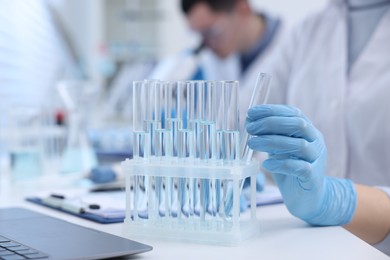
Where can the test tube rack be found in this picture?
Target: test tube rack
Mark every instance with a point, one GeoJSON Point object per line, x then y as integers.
{"type": "Point", "coordinates": [190, 200]}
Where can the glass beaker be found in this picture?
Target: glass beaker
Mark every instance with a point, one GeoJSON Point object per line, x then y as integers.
{"type": "Point", "coordinates": [25, 146]}
{"type": "Point", "coordinates": [78, 156]}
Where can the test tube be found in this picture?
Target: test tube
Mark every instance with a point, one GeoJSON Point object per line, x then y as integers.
{"type": "Point", "coordinates": [163, 128]}
{"type": "Point", "coordinates": [187, 116]}
{"type": "Point", "coordinates": [259, 96]}
{"type": "Point", "coordinates": [231, 121]}
{"type": "Point", "coordinates": [141, 145]}
{"type": "Point", "coordinates": [209, 143]}
{"type": "Point", "coordinates": [153, 112]}
{"type": "Point", "coordinates": [191, 100]}
{"type": "Point", "coordinates": [141, 137]}
{"type": "Point", "coordinates": [220, 116]}
{"type": "Point", "coordinates": [216, 184]}
{"type": "Point", "coordinates": [171, 127]}
{"type": "Point", "coordinates": [195, 111]}
{"type": "Point", "coordinates": [231, 141]}
{"type": "Point", "coordinates": [174, 112]}
{"type": "Point", "coordinates": [208, 120]}
{"type": "Point", "coordinates": [185, 109]}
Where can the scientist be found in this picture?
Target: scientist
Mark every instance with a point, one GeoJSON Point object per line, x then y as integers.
{"type": "Point", "coordinates": [335, 68]}
{"type": "Point", "coordinates": [237, 41]}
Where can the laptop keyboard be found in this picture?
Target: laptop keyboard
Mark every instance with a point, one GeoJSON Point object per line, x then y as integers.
{"type": "Point", "coordinates": [11, 250]}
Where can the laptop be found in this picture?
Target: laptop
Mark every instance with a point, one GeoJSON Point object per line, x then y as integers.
{"type": "Point", "coordinates": [28, 234]}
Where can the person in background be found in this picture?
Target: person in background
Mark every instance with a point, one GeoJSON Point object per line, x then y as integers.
{"type": "Point", "coordinates": [236, 39]}
{"type": "Point", "coordinates": [330, 157]}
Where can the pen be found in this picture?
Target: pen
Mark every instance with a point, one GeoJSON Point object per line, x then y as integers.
{"type": "Point", "coordinates": [53, 201]}
{"type": "Point", "coordinates": [117, 186]}
{"type": "Point", "coordinates": [73, 206]}
{"type": "Point", "coordinates": [76, 208]}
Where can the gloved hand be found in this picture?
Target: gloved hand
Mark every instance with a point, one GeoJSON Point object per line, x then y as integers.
{"type": "Point", "coordinates": [297, 162]}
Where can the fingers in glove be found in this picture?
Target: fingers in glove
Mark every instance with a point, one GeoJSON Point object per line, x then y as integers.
{"type": "Point", "coordinates": [263, 111]}
{"type": "Point", "coordinates": [289, 167]}
{"type": "Point", "coordinates": [290, 147]}
{"type": "Point", "coordinates": [287, 126]}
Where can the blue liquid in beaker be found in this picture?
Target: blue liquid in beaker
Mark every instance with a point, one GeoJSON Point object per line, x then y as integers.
{"type": "Point", "coordinates": [76, 160]}
{"type": "Point", "coordinates": [25, 164]}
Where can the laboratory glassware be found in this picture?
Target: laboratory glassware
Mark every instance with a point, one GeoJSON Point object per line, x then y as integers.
{"type": "Point", "coordinates": [78, 96]}
{"type": "Point", "coordinates": [26, 143]}
{"type": "Point", "coordinates": [141, 137]}
{"type": "Point", "coordinates": [197, 188]}
{"type": "Point", "coordinates": [231, 134]}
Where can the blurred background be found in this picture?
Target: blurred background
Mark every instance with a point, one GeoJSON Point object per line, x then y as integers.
{"type": "Point", "coordinates": [42, 41]}
{"type": "Point", "coordinates": [66, 67]}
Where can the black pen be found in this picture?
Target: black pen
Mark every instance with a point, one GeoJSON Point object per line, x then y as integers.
{"type": "Point", "coordinates": [108, 187]}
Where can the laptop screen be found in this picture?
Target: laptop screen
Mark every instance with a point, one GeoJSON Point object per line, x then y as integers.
{"type": "Point", "coordinates": [58, 239]}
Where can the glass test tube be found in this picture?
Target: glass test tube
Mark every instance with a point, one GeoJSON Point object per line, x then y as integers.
{"type": "Point", "coordinates": [141, 137]}
{"type": "Point", "coordinates": [195, 112]}
{"type": "Point", "coordinates": [174, 113]}
{"type": "Point", "coordinates": [231, 141]}
{"type": "Point", "coordinates": [196, 107]}
{"type": "Point", "coordinates": [141, 145]}
{"type": "Point", "coordinates": [231, 123]}
{"type": "Point", "coordinates": [186, 114]}
{"type": "Point", "coordinates": [153, 108]}
{"type": "Point", "coordinates": [153, 112]}
{"type": "Point", "coordinates": [208, 120]}
{"type": "Point", "coordinates": [170, 130]}
{"type": "Point", "coordinates": [220, 116]}
{"type": "Point", "coordinates": [163, 130]}
{"type": "Point", "coordinates": [208, 143]}
{"type": "Point", "coordinates": [184, 105]}
{"type": "Point", "coordinates": [259, 97]}
{"type": "Point", "coordinates": [218, 204]}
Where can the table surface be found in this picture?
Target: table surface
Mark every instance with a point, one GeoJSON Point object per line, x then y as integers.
{"type": "Point", "coordinates": [281, 236]}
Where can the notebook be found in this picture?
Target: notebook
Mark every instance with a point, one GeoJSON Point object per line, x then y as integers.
{"type": "Point", "coordinates": [31, 234]}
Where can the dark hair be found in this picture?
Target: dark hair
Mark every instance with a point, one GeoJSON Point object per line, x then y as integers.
{"type": "Point", "coordinates": [215, 5]}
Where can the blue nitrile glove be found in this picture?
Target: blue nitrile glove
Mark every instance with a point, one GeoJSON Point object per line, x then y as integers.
{"type": "Point", "coordinates": [297, 162]}
{"type": "Point", "coordinates": [102, 174]}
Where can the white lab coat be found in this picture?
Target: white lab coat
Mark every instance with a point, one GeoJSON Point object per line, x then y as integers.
{"type": "Point", "coordinates": [352, 111]}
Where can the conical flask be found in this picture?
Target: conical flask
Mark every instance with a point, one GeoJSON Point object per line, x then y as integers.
{"type": "Point", "coordinates": [78, 156]}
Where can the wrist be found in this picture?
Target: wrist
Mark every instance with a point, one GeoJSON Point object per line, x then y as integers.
{"type": "Point", "coordinates": [338, 204]}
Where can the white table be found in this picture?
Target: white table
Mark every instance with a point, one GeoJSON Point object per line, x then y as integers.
{"type": "Point", "coordinates": [282, 236]}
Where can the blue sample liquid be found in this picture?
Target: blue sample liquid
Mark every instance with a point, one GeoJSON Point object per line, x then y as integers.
{"type": "Point", "coordinates": [186, 144]}
{"type": "Point", "coordinates": [26, 164]}
{"type": "Point", "coordinates": [231, 146]}
{"type": "Point", "coordinates": [163, 142]}
{"type": "Point", "coordinates": [141, 144]}
{"type": "Point", "coordinates": [208, 137]}
{"type": "Point", "coordinates": [174, 125]}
